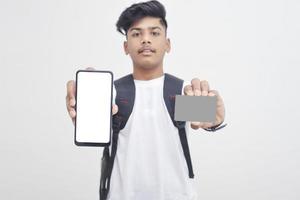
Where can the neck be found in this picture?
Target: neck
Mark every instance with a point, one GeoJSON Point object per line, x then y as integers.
{"type": "Point", "coordinates": [140, 73]}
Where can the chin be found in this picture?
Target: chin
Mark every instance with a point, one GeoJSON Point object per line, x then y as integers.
{"type": "Point", "coordinates": [148, 64]}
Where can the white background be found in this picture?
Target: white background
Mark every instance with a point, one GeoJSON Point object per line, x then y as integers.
{"type": "Point", "coordinates": [247, 50]}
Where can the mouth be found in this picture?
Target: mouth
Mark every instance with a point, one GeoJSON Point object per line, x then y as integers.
{"type": "Point", "coordinates": [146, 51]}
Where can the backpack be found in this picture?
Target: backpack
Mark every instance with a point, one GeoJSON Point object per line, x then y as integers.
{"type": "Point", "coordinates": [125, 97]}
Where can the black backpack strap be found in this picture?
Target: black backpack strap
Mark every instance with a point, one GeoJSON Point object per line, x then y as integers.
{"type": "Point", "coordinates": [172, 87]}
{"type": "Point", "coordinates": [125, 97]}
{"type": "Point", "coordinates": [104, 174]}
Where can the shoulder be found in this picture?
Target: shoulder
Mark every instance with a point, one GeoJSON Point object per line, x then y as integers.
{"type": "Point", "coordinates": [175, 78]}
{"type": "Point", "coordinates": [124, 79]}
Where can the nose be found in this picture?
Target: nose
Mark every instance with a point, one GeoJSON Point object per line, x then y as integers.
{"type": "Point", "coordinates": [146, 39]}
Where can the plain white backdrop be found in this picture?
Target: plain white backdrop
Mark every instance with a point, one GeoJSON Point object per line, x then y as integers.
{"type": "Point", "coordinates": [248, 50]}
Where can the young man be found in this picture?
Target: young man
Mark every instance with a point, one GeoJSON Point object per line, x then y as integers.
{"type": "Point", "coordinates": [149, 163]}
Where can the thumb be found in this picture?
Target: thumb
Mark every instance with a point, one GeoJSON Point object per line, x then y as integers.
{"type": "Point", "coordinates": [115, 109]}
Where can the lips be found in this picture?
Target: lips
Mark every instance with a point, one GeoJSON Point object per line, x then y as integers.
{"type": "Point", "coordinates": [146, 50]}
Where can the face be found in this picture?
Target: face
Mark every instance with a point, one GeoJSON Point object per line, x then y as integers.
{"type": "Point", "coordinates": [147, 43]}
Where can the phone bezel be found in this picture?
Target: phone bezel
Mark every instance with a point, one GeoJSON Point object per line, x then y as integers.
{"type": "Point", "coordinates": [93, 143]}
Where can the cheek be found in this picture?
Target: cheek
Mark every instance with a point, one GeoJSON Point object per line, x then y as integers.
{"type": "Point", "coordinates": [132, 49]}
{"type": "Point", "coordinates": [162, 49]}
{"type": "Point", "coordinates": [162, 45]}
{"type": "Point", "coordinates": [132, 42]}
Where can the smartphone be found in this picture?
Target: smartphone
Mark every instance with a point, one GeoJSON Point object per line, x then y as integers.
{"type": "Point", "coordinates": [93, 107]}
{"type": "Point", "coordinates": [195, 108]}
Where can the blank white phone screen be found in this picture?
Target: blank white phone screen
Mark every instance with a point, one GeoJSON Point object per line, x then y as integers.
{"type": "Point", "coordinates": [93, 106]}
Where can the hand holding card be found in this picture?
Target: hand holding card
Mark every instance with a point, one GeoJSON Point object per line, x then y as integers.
{"type": "Point", "coordinates": [195, 108]}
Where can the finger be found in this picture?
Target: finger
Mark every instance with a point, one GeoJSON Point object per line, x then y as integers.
{"type": "Point", "coordinates": [220, 107]}
{"type": "Point", "coordinates": [219, 120]}
{"type": "Point", "coordinates": [213, 93]}
{"type": "Point", "coordinates": [70, 103]}
{"type": "Point", "coordinates": [71, 89]}
{"type": "Point", "coordinates": [196, 86]}
{"type": "Point", "coordinates": [193, 126]}
{"type": "Point", "coordinates": [207, 125]}
{"type": "Point", "coordinates": [71, 110]}
{"type": "Point", "coordinates": [196, 125]}
{"type": "Point", "coordinates": [115, 109]}
{"type": "Point", "coordinates": [72, 113]}
{"type": "Point", "coordinates": [188, 90]}
{"type": "Point", "coordinates": [204, 88]}
{"type": "Point", "coordinates": [219, 99]}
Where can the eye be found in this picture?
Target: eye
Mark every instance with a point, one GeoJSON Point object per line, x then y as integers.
{"type": "Point", "coordinates": [155, 33]}
{"type": "Point", "coordinates": [136, 34]}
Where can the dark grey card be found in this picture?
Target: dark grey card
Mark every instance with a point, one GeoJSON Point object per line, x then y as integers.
{"type": "Point", "coordinates": [195, 108]}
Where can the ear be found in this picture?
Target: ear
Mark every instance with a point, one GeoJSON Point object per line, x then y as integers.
{"type": "Point", "coordinates": [125, 45]}
{"type": "Point", "coordinates": [168, 45]}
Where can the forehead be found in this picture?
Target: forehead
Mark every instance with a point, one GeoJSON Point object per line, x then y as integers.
{"type": "Point", "coordinates": [147, 22]}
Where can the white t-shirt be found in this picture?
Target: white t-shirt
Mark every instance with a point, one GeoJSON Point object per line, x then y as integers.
{"type": "Point", "coordinates": [149, 163]}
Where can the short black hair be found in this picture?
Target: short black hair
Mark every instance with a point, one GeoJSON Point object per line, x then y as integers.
{"type": "Point", "coordinates": [138, 11]}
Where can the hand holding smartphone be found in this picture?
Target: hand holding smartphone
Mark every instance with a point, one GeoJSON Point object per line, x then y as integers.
{"type": "Point", "coordinates": [93, 108]}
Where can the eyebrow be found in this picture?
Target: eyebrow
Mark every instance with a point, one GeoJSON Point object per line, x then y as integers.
{"type": "Point", "coordinates": [139, 29]}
